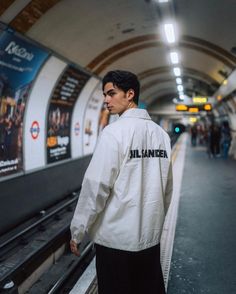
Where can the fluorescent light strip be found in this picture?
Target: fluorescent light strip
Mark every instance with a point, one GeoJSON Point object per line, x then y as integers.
{"type": "Point", "coordinates": [162, 1]}
{"type": "Point", "coordinates": [170, 33]}
{"type": "Point", "coordinates": [174, 57]}
{"type": "Point", "coordinates": [177, 71]}
{"type": "Point", "coordinates": [178, 81]}
{"type": "Point", "coordinates": [180, 88]}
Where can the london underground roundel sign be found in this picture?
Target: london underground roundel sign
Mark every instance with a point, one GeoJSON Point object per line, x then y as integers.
{"type": "Point", "coordinates": [77, 129]}
{"type": "Point", "coordinates": [34, 130]}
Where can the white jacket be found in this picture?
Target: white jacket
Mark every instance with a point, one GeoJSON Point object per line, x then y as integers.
{"type": "Point", "coordinates": [127, 187]}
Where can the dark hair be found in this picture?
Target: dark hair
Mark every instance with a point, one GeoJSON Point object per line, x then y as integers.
{"type": "Point", "coordinates": [124, 80]}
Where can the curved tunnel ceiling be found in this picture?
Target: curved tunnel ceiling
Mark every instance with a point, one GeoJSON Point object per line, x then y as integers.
{"type": "Point", "coordinates": [103, 35]}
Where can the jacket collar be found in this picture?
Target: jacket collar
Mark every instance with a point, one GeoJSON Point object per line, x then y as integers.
{"type": "Point", "coordinates": [136, 113]}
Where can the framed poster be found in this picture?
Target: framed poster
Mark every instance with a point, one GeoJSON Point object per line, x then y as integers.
{"type": "Point", "coordinates": [60, 111]}
{"type": "Point", "coordinates": [19, 65]}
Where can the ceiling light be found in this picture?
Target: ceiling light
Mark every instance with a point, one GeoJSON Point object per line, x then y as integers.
{"type": "Point", "coordinates": [162, 1]}
{"type": "Point", "coordinates": [170, 33]}
{"type": "Point", "coordinates": [180, 88]}
{"type": "Point", "coordinates": [178, 81]}
{"type": "Point", "coordinates": [177, 71]}
{"type": "Point", "coordinates": [174, 57]}
{"type": "Point", "coordinates": [225, 82]}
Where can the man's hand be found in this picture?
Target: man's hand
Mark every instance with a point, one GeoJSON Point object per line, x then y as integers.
{"type": "Point", "coordinates": [74, 248]}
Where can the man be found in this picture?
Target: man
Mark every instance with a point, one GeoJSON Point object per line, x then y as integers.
{"type": "Point", "coordinates": [125, 194]}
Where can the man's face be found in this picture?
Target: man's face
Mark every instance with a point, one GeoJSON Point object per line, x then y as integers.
{"type": "Point", "coordinates": [116, 100]}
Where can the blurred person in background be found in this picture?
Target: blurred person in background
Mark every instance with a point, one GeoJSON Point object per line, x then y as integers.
{"type": "Point", "coordinates": [225, 139]}
{"type": "Point", "coordinates": [194, 134]}
{"type": "Point", "coordinates": [214, 137]}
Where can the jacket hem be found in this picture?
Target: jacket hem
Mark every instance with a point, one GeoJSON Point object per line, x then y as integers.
{"type": "Point", "coordinates": [139, 247]}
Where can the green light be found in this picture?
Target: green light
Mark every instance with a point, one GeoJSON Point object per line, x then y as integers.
{"type": "Point", "coordinates": [177, 129]}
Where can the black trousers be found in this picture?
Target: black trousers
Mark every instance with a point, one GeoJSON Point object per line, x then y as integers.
{"type": "Point", "coordinates": [126, 272]}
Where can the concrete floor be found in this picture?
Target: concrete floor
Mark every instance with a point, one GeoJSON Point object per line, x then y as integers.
{"type": "Point", "coordinates": [204, 253]}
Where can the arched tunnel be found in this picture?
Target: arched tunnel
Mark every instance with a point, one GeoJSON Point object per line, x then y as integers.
{"type": "Point", "coordinates": [54, 55]}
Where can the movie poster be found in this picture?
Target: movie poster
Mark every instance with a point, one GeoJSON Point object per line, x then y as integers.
{"type": "Point", "coordinates": [61, 106]}
{"type": "Point", "coordinates": [20, 62]}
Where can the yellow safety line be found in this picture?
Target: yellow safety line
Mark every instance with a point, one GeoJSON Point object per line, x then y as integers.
{"type": "Point", "coordinates": [176, 149]}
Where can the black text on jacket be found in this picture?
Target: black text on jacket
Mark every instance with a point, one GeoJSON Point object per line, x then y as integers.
{"type": "Point", "coordinates": [148, 153]}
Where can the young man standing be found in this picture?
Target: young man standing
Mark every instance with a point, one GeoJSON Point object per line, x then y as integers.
{"type": "Point", "coordinates": [125, 194]}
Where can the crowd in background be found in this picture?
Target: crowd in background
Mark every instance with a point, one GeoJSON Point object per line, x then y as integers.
{"type": "Point", "coordinates": [217, 138]}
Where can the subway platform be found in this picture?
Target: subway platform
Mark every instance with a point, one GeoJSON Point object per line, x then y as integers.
{"type": "Point", "coordinates": [204, 255]}
{"type": "Point", "coordinates": [198, 242]}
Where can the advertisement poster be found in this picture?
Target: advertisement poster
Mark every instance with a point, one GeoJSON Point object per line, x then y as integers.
{"type": "Point", "coordinates": [104, 118]}
{"type": "Point", "coordinates": [96, 118]}
{"type": "Point", "coordinates": [20, 62]}
{"type": "Point", "coordinates": [61, 106]}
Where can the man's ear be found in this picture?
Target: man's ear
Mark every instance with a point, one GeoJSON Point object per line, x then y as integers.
{"type": "Point", "coordinates": [130, 93]}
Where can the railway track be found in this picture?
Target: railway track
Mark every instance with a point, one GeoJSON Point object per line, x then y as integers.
{"type": "Point", "coordinates": [44, 237]}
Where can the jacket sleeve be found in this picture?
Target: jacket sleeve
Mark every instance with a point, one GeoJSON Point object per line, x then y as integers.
{"type": "Point", "coordinates": [97, 184]}
{"type": "Point", "coordinates": [169, 189]}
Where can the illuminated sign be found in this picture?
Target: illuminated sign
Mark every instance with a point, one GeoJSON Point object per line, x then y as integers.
{"type": "Point", "coordinates": [193, 109]}
{"type": "Point", "coordinates": [192, 119]}
{"type": "Point", "coordinates": [207, 107]}
{"type": "Point", "coordinates": [200, 100]}
{"type": "Point", "coordinates": [181, 107]}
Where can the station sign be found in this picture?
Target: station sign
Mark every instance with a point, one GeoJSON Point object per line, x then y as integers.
{"type": "Point", "coordinates": [181, 107]}
{"type": "Point", "coordinates": [193, 108]}
{"type": "Point", "coordinates": [199, 100]}
{"type": "Point", "coordinates": [34, 130]}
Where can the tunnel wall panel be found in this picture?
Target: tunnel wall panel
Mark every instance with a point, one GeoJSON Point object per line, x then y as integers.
{"type": "Point", "coordinates": [77, 124]}
{"type": "Point", "coordinates": [35, 122]}
{"type": "Point", "coordinates": [39, 185]}
{"type": "Point", "coordinates": [26, 195]}
{"type": "Point", "coordinates": [91, 120]}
